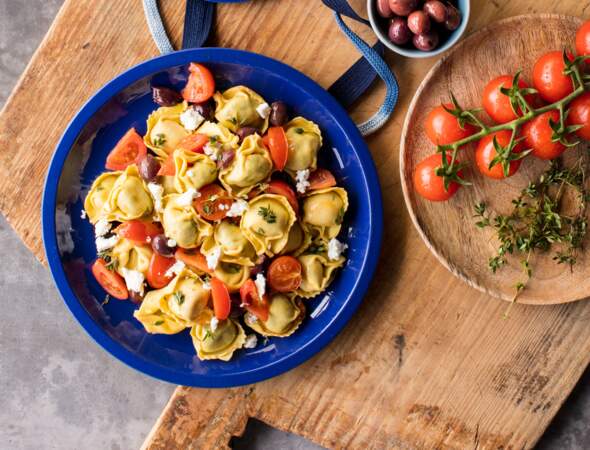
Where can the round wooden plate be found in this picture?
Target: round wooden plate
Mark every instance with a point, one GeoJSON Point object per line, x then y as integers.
{"type": "Point", "coordinates": [448, 228]}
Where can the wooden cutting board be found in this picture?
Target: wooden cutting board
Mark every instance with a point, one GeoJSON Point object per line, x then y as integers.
{"type": "Point", "coordinates": [427, 362]}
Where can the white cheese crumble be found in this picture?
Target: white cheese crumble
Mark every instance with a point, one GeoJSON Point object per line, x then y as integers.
{"type": "Point", "coordinates": [251, 317]}
{"type": "Point", "coordinates": [190, 173]}
{"type": "Point", "coordinates": [251, 341]}
{"type": "Point", "coordinates": [103, 244]}
{"type": "Point", "coordinates": [83, 214]}
{"type": "Point", "coordinates": [175, 269]}
{"type": "Point", "coordinates": [263, 110]}
{"type": "Point", "coordinates": [157, 192]}
{"type": "Point", "coordinates": [214, 323]}
{"type": "Point", "coordinates": [171, 243]}
{"type": "Point", "coordinates": [133, 279]}
{"type": "Point", "coordinates": [213, 258]}
{"type": "Point", "coordinates": [301, 178]}
{"type": "Point", "coordinates": [186, 198]}
{"type": "Point", "coordinates": [211, 150]}
{"type": "Point", "coordinates": [237, 208]}
{"type": "Point", "coordinates": [335, 249]}
{"type": "Point", "coordinates": [260, 283]}
{"type": "Point", "coordinates": [207, 285]}
{"type": "Point", "coordinates": [191, 119]}
{"type": "Point", "coordinates": [101, 227]}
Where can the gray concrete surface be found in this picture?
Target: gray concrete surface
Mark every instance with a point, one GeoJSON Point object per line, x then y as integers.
{"type": "Point", "coordinates": [58, 389]}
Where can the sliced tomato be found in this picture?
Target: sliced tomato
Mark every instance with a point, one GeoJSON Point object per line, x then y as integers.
{"type": "Point", "coordinates": [129, 150]}
{"type": "Point", "coordinates": [168, 168]}
{"type": "Point", "coordinates": [194, 142]}
{"type": "Point", "coordinates": [221, 299]}
{"type": "Point", "coordinates": [109, 280]}
{"type": "Point", "coordinates": [284, 274]}
{"type": "Point", "coordinates": [278, 146]}
{"type": "Point", "coordinates": [141, 231]}
{"type": "Point", "coordinates": [265, 141]}
{"type": "Point", "coordinates": [193, 258]}
{"type": "Point", "coordinates": [209, 203]}
{"type": "Point", "coordinates": [252, 301]}
{"type": "Point", "coordinates": [156, 274]}
{"type": "Point", "coordinates": [279, 187]}
{"type": "Point", "coordinates": [200, 85]}
{"type": "Point", "coordinates": [321, 179]}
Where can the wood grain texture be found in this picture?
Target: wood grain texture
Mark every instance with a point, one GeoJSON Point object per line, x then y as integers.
{"type": "Point", "coordinates": [448, 228]}
{"type": "Point", "coordinates": [427, 362]}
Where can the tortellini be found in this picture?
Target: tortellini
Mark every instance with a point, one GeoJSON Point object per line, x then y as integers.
{"type": "Point", "coordinates": [232, 242]}
{"type": "Point", "coordinates": [193, 170]}
{"type": "Point", "coordinates": [237, 107]}
{"type": "Point", "coordinates": [176, 306]}
{"type": "Point", "coordinates": [182, 223]}
{"type": "Point", "coordinates": [251, 165]}
{"type": "Point", "coordinates": [323, 211]}
{"type": "Point", "coordinates": [304, 139]}
{"type": "Point", "coordinates": [285, 314]}
{"type": "Point", "coordinates": [219, 135]}
{"type": "Point", "coordinates": [299, 239]}
{"type": "Point", "coordinates": [164, 130]}
{"type": "Point", "coordinates": [232, 274]}
{"type": "Point", "coordinates": [267, 223]}
{"type": "Point", "coordinates": [131, 256]}
{"type": "Point", "coordinates": [99, 194]}
{"type": "Point", "coordinates": [128, 199]}
{"type": "Point", "coordinates": [220, 343]}
{"type": "Point", "coordinates": [317, 271]}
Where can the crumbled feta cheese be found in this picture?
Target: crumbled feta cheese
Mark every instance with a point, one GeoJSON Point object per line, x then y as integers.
{"type": "Point", "coordinates": [237, 208]}
{"type": "Point", "coordinates": [301, 178]}
{"type": "Point", "coordinates": [157, 192]}
{"type": "Point", "coordinates": [263, 110]}
{"type": "Point", "coordinates": [214, 323]}
{"type": "Point", "coordinates": [213, 258]}
{"type": "Point", "coordinates": [175, 269]}
{"type": "Point", "coordinates": [186, 198]}
{"type": "Point", "coordinates": [211, 150]}
{"type": "Point", "coordinates": [251, 341]}
{"type": "Point", "coordinates": [260, 283]}
{"type": "Point", "coordinates": [335, 249]}
{"type": "Point", "coordinates": [103, 244]}
{"type": "Point", "coordinates": [191, 119]}
{"type": "Point", "coordinates": [101, 227]}
{"type": "Point", "coordinates": [83, 214]}
{"type": "Point", "coordinates": [133, 279]}
{"type": "Point", "coordinates": [207, 285]}
{"type": "Point", "coordinates": [190, 173]}
{"type": "Point", "coordinates": [251, 317]}
{"type": "Point", "coordinates": [171, 243]}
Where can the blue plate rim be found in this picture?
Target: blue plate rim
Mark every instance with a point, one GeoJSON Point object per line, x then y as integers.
{"type": "Point", "coordinates": [49, 203]}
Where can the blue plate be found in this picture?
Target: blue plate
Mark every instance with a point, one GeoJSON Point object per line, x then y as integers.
{"type": "Point", "coordinates": [69, 241]}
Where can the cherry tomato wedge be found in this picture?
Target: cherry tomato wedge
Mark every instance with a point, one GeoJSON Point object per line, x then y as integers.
{"type": "Point", "coordinates": [221, 299]}
{"type": "Point", "coordinates": [168, 168]}
{"type": "Point", "coordinates": [497, 104]}
{"type": "Point", "coordinates": [193, 258]}
{"type": "Point", "coordinates": [284, 274]}
{"type": "Point", "coordinates": [583, 40]}
{"type": "Point", "coordinates": [141, 231]}
{"type": "Point", "coordinates": [209, 203]}
{"type": "Point", "coordinates": [538, 132]}
{"type": "Point", "coordinates": [428, 184]}
{"type": "Point", "coordinates": [443, 128]}
{"type": "Point", "coordinates": [549, 79]}
{"type": "Point", "coordinates": [252, 301]}
{"type": "Point", "coordinates": [485, 154]}
{"type": "Point", "coordinates": [109, 280]}
{"type": "Point", "coordinates": [156, 274]}
{"type": "Point", "coordinates": [194, 142]}
{"type": "Point", "coordinates": [279, 187]}
{"type": "Point", "coordinates": [200, 85]}
{"type": "Point", "coordinates": [321, 179]}
{"type": "Point", "coordinates": [278, 146]}
{"type": "Point", "coordinates": [265, 140]}
{"type": "Point", "coordinates": [580, 114]}
{"type": "Point", "coordinates": [129, 150]}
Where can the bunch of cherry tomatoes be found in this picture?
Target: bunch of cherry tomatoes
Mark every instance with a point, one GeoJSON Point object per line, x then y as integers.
{"type": "Point", "coordinates": [552, 82]}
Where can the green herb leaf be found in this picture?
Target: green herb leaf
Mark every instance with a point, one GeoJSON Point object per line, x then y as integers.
{"type": "Point", "coordinates": [267, 214]}
{"type": "Point", "coordinates": [179, 297]}
{"type": "Point", "coordinates": [159, 140]}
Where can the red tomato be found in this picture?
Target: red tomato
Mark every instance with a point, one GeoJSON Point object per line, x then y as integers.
{"type": "Point", "coordinates": [252, 301]}
{"type": "Point", "coordinates": [580, 114]}
{"type": "Point", "coordinates": [192, 258]}
{"type": "Point", "coordinates": [200, 85]}
{"type": "Point", "coordinates": [583, 39]}
{"type": "Point", "coordinates": [428, 184]}
{"type": "Point", "coordinates": [110, 281]}
{"type": "Point", "coordinates": [549, 79]}
{"type": "Point", "coordinates": [496, 104]}
{"type": "Point", "coordinates": [278, 146]}
{"type": "Point", "coordinates": [194, 142]}
{"type": "Point", "coordinates": [443, 128]}
{"type": "Point", "coordinates": [281, 188]}
{"type": "Point", "coordinates": [168, 168]}
{"type": "Point", "coordinates": [284, 274]}
{"type": "Point", "coordinates": [485, 153]}
{"type": "Point", "coordinates": [321, 179]}
{"type": "Point", "coordinates": [129, 150]}
{"type": "Point", "coordinates": [211, 209]}
{"type": "Point", "coordinates": [537, 133]}
{"type": "Point", "coordinates": [138, 230]}
{"type": "Point", "coordinates": [221, 299]}
{"type": "Point", "coordinates": [156, 274]}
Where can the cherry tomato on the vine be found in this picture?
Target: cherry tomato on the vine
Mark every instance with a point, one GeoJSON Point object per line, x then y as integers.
{"type": "Point", "coordinates": [583, 39]}
{"type": "Point", "coordinates": [485, 154]}
{"type": "Point", "coordinates": [428, 184]}
{"type": "Point", "coordinates": [497, 104]}
{"type": "Point", "coordinates": [549, 79]}
{"type": "Point", "coordinates": [537, 133]}
{"type": "Point", "coordinates": [580, 114]}
{"type": "Point", "coordinates": [443, 128]}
